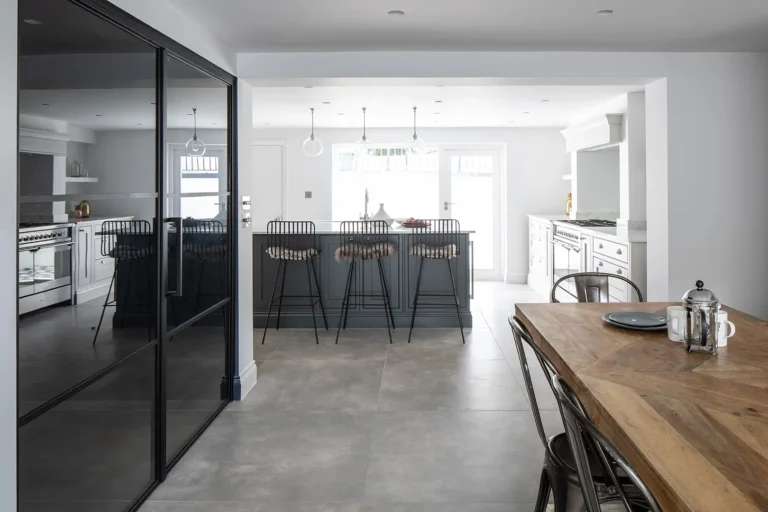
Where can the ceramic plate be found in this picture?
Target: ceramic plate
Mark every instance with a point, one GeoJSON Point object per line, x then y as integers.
{"type": "Point", "coordinates": [608, 320]}
{"type": "Point", "coordinates": [638, 319]}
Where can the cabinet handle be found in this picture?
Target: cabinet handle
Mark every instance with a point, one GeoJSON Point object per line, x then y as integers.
{"type": "Point", "coordinates": [599, 246]}
{"type": "Point", "coordinates": [618, 251]}
{"type": "Point", "coordinates": [600, 264]}
{"type": "Point", "coordinates": [618, 271]}
{"type": "Point", "coordinates": [86, 253]}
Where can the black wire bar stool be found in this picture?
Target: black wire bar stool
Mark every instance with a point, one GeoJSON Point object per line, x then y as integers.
{"type": "Point", "coordinates": [128, 242]}
{"type": "Point", "coordinates": [362, 241]}
{"type": "Point", "coordinates": [437, 239]}
{"type": "Point", "coordinates": [293, 241]}
{"type": "Point", "coordinates": [205, 241]}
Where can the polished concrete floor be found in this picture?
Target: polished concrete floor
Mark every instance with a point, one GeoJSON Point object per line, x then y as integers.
{"type": "Point", "coordinates": [365, 426]}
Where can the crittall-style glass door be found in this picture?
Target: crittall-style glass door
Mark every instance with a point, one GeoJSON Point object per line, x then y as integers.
{"type": "Point", "coordinates": [126, 244]}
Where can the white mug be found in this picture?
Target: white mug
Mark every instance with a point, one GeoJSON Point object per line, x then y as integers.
{"type": "Point", "coordinates": [722, 329]}
{"type": "Point", "coordinates": [676, 323]}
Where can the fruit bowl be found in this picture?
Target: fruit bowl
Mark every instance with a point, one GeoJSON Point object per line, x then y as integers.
{"type": "Point", "coordinates": [414, 223]}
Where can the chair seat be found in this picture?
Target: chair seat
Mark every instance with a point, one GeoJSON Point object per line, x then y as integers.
{"type": "Point", "coordinates": [282, 253]}
{"type": "Point", "coordinates": [437, 252]}
{"type": "Point", "coordinates": [355, 251]}
{"type": "Point", "coordinates": [130, 252]}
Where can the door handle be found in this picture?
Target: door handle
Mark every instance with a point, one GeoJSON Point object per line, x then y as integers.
{"type": "Point", "coordinates": [178, 221]}
{"type": "Point", "coordinates": [445, 204]}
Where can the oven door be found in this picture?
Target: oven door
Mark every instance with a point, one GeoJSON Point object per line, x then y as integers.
{"type": "Point", "coordinates": [52, 267]}
{"type": "Point", "coordinates": [27, 272]}
{"type": "Point", "coordinates": [566, 260]}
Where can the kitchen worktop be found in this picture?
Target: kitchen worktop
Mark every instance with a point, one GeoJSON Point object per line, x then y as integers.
{"type": "Point", "coordinates": [332, 228]}
{"type": "Point", "coordinates": [548, 216]}
{"type": "Point", "coordinates": [622, 235]}
{"type": "Point", "coordinates": [96, 220]}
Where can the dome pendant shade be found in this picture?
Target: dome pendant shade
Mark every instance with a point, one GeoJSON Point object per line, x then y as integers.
{"type": "Point", "coordinates": [195, 146]}
{"type": "Point", "coordinates": [312, 146]}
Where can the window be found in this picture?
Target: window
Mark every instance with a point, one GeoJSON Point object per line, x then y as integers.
{"type": "Point", "coordinates": [405, 183]}
{"type": "Point", "coordinates": [200, 175]}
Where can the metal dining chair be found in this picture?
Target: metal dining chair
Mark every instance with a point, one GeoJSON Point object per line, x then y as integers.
{"type": "Point", "coordinates": [559, 474]}
{"type": "Point", "coordinates": [596, 287]}
{"type": "Point", "coordinates": [583, 435]}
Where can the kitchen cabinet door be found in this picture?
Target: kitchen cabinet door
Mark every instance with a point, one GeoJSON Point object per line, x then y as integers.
{"type": "Point", "coordinates": [84, 256]}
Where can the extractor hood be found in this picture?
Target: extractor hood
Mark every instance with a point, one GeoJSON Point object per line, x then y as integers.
{"type": "Point", "coordinates": [602, 132]}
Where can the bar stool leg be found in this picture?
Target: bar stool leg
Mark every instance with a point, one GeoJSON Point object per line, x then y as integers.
{"type": "Point", "coordinates": [106, 301]}
{"type": "Point", "coordinates": [199, 287]}
{"type": "Point", "coordinates": [312, 302]}
{"type": "Point", "coordinates": [351, 283]}
{"type": "Point", "coordinates": [345, 300]}
{"type": "Point", "coordinates": [456, 298]}
{"type": "Point", "coordinates": [126, 294]}
{"type": "Point", "coordinates": [271, 301]}
{"type": "Point", "coordinates": [384, 299]}
{"type": "Point", "coordinates": [416, 299]}
{"type": "Point", "coordinates": [282, 291]}
{"type": "Point", "coordinates": [387, 299]}
{"type": "Point", "coordinates": [319, 295]}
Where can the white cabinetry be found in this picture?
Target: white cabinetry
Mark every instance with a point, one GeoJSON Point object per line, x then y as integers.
{"type": "Point", "coordinates": [540, 255]}
{"type": "Point", "coordinates": [623, 258]}
{"type": "Point", "coordinates": [94, 270]}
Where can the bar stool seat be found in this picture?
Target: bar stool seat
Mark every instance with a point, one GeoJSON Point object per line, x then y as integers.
{"type": "Point", "coordinates": [283, 253]}
{"type": "Point", "coordinates": [444, 252]}
{"type": "Point", "coordinates": [358, 251]}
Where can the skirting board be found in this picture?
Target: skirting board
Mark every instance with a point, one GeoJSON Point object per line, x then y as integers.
{"type": "Point", "coordinates": [516, 278]}
{"type": "Point", "coordinates": [245, 381]}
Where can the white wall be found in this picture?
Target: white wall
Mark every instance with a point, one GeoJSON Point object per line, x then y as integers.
{"type": "Point", "coordinates": [711, 157]}
{"type": "Point", "coordinates": [8, 254]}
{"type": "Point", "coordinates": [596, 181]}
{"type": "Point", "coordinates": [535, 162]}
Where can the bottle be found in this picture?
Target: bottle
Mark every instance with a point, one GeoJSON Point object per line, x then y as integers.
{"type": "Point", "coordinates": [569, 204]}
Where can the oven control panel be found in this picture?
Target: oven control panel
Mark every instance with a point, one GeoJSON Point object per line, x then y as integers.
{"type": "Point", "coordinates": [571, 234]}
{"type": "Point", "coordinates": [33, 238]}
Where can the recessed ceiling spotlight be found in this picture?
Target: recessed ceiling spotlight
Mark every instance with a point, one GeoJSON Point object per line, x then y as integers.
{"type": "Point", "coordinates": [266, 123]}
{"type": "Point", "coordinates": [139, 124]}
{"type": "Point", "coordinates": [30, 21]}
{"type": "Point", "coordinates": [511, 121]}
{"type": "Point", "coordinates": [526, 112]}
{"type": "Point", "coordinates": [45, 104]}
{"type": "Point", "coordinates": [214, 123]}
{"type": "Point", "coordinates": [396, 13]}
{"type": "Point", "coordinates": [340, 114]}
{"type": "Point", "coordinates": [545, 101]}
{"type": "Point", "coordinates": [326, 103]}
{"type": "Point", "coordinates": [437, 113]}
{"type": "Point", "coordinates": [308, 87]}
{"type": "Point", "coordinates": [438, 101]}
{"type": "Point", "coordinates": [605, 12]}
{"type": "Point", "coordinates": [189, 114]}
{"type": "Point", "coordinates": [98, 115]}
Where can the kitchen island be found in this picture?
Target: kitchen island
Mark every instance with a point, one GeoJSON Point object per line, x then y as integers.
{"type": "Point", "coordinates": [400, 270]}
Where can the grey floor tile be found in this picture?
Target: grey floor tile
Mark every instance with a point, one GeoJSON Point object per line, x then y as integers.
{"type": "Point", "coordinates": [446, 381]}
{"type": "Point", "coordinates": [180, 506]}
{"type": "Point", "coordinates": [461, 457]}
{"type": "Point", "coordinates": [481, 350]}
{"type": "Point", "coordinates": [315, 386]}
{"type": "Point", "coordinates": [354, 345]}
{"type": "Point", "coordinates": [275, 457]}
{"type": "Point", "coordinates": [74, 506]}
{"type": "Point", "coordinates": [449, 507]}
{"type": "Point", "coordinates": [444, 336]}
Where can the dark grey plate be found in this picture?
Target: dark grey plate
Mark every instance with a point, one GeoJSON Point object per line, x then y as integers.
{"type": "Point", "coordinates": [638, 319]}
{"type": "Point", "coordinates": [608, 319]}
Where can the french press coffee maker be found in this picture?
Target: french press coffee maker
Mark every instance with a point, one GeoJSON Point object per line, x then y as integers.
{"type": "Point", "coordinates": [700, 329]}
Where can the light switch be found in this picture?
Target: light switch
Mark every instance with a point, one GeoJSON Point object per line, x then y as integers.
{"type": "Point", "coordinates": [308, 194]}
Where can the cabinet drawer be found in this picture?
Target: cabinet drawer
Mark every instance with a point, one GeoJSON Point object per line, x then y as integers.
{"type": "Point", "coordinates": [618, 289]}
{"type": "Point", "coordinates": [610, 249]}
{"type": "Point", "coordinates": [103, 269]}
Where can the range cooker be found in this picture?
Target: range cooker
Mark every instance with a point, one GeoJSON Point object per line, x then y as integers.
{"type": "Point", "coordinates": [570, 251]}
{"type": "Point", "coordinates": [45, 265]}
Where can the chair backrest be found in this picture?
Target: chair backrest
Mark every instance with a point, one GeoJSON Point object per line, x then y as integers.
{"type": "Point", "coordinates": [438, 233]}
{"type": "Point", "coordinates": [365, 232]}
{"type": "Point", "coordinates": [595, 287]}
{"type": "Point", "coordinates": [288, 236]}
{"type": "Point", "coordinates": [205, 239]}
{"type": "Point", "coordinates": [581, 431]}
{"type": "Point", "coordinates": [520, 334]}
{"type": "Point", "coordinates": [126, 239]}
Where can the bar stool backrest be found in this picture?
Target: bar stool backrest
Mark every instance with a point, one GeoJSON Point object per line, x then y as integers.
{"type": "Point", "coordinates": [520, 334]}
{"type": "Point", "coordinates": [438, 234]}
{"type": "Point", "coordinates": [127, 239]}
{"type": "Point", "coordinates": [354, 234]}
{"type": "Point", "coordinates": [285, 237]}
{"type": "Point", "coordinates": [205, 239]}
{"type": "Point", "coordinates": [580, 431]}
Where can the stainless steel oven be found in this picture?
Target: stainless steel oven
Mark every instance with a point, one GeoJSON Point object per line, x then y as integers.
{"type": "Point", "coordinates": [568, 256]}
{"type": "Point", "coordinates": [45, 266]}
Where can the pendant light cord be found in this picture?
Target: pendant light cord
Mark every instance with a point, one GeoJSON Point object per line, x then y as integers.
{"type": "Point", "coordinates": [312, 135]}
{"type": "Point", "coordinates": [414, 124]}
{"type": "Point", "coordinates": [194, 114]}
{"type": "Point", "coordinates": [364, 137]}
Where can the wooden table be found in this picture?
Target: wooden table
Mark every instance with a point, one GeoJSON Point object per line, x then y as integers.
{"type": "Point", "coordinates": [694, 427]}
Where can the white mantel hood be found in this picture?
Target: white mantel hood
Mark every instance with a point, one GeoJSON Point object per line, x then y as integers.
{"type": "Point", "coordinates": [602, 132]}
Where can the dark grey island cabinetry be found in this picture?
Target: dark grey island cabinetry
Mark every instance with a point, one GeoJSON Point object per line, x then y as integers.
{"type": "Point", "coordinates": [400, 269]}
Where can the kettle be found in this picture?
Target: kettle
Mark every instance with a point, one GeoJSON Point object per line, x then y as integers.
{"type": "Point", "coordinates": [700, 326]}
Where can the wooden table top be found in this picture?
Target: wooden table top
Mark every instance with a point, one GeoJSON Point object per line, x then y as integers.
{"type": "Point", "coordinates": [694, 426]}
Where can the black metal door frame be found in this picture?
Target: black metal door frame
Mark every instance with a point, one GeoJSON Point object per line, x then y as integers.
{"type": "Point", "coordinates": [166, 47]}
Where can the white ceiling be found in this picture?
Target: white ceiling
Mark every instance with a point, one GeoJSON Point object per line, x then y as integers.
{"type": "Point", "coordinates": [354, 25]}
{"type": "Point", "coordinates": [462, 106]}
{"type": "Point", "coordinates": [126, 109]}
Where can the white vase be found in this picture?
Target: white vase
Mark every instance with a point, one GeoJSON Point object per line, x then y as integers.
{"type": "Point", "coordinates": [383, 215]}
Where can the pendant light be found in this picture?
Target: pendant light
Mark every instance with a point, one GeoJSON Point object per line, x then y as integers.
{"type": "Point", "coordinates": [312, 146]}
{"type": "Point", "coordinates": [417, 143]}
{"type": "Point", "coordinates": [195, 146]}
{"type": "Point", "coordinates": [363, 142]}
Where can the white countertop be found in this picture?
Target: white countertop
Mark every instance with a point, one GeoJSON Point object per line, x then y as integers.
{"type": "Point", "coordinates": [332, 228]}
{"type": "Point", "coordinates": [622, 235]}
{"type": "Point", "coordinates": [95, 220]}
{"type": "Point", "coordinates": [548, 216]}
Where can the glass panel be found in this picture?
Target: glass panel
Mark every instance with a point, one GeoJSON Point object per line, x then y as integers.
{"type": "Point", "coordinates": [198, 190]}
{"type": "Point", "coordinates": [196, 371]}
{"type": "Point", "coordinates": [93, 453]}
{"type": "Point", "coordinates": [404, 183]}
{"type": "Point", "coordinates": [473, 203]}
